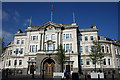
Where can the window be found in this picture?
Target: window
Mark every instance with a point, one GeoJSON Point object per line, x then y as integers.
{"type": "Point", "coordinates": [80, 49]}
{"type": "Point", "coordinates": [86, 48]}
{"type": "Point", "coordinates": [87, 62]}
{"type": "Point", "coordinates": [108, 61]}
{"type": "Point", "coordinates": [45, 47]}
{"type": "Point", "coordinates": [54, 47]}
{"type": "Point", "coordinates": [81, 61]}
{"type": "Point", "coordinates": [22, 42]}
{"type": "Point", "coordinates": [71, 46]}
{"type": "Point", "coordinates": [67, 47]}
{"type": "Point", "coordinates": [86, 38]}
{"type": "Point", "coordinates": [64, 46]}
{"type": "Point", "coordinates": [93, 61]}
{"type": "Point", "coordinates": [36, 48]}
{"type": "Point", "coordinates": [18, 41]}
{"type": "Point", "coordinates": [80, 38]}
{"type": "Point", "coordinates": [20, 62]}
{"type": "Point", "coordinates": [33, 48]}
{"type": "Point", "coordinates": [92, 48]}
{"type": "Point", "coordinates": [31, 37]}
{"type": "Point", "coordinates": [21, 52]}
{"type": "Point", "coordinates": [49, 46]}
{"type": "Point", "coordinates": [15, 62]}
{"type": "Point", "coordinates": [9, 63]}
{"type": "Point", "coordinates": [34, 37]}
{"type": "Point", "coordinates": [67, 58]}
{"type": "Point", "coordinates": [104, 61]}
{"type": "Point", "coordinates": [47, 37]}
{"type": "Point", "coordinates": [115, 51]}
{"type": "Point", "coordinates": [103, 49]}
{"type": "Point", "coordinates": [53, 36]}
{"type": "Point", "coordinates": [17, 51]}
{"type": "Point", "coordinates": [67, 36]}
{"type": "Point", "coordinates": [10, 52]}
{"type": "Point", "coordinates": [70, 36]}
{"type": "Point", "coordinates": [30, 49]}
{"type": "Point", "coordinates": [91, 38]}
{"type": "Point", "coordinates": [107, 49]}
{"type": "Point", "coordinates": [64, 36]}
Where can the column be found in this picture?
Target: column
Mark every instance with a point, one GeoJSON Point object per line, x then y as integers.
{"type": "Point", "coordinates": [40, 41]}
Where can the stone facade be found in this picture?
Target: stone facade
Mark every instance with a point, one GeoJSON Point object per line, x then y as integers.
{"type": "Point", "coordinates": [38, 47]}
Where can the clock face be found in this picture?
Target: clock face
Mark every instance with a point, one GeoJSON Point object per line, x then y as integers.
{"type": "Point", "coordinates": [50, 27]}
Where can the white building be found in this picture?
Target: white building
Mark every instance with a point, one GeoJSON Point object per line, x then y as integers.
{"type": "Point", "coordinates": [38, 47]}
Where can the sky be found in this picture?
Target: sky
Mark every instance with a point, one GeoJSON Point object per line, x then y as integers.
{"type": "Point", "coordinates": [16, 15]}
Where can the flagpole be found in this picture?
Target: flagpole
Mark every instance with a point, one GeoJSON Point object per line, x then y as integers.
{"type": "Point", "coordinates": [51, 12]}
{"type": "Point", "coordinates": [73, 17]}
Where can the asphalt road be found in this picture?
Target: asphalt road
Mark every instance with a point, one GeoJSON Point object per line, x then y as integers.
{"type": "Point", "coordinates": [0, 75]}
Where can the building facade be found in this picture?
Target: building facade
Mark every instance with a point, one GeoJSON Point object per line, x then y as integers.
{"type": "Point", "coordinates": [38, 47]}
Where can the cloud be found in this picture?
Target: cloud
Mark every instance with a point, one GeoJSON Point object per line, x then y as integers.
{"type": "Point", "coordinates": [10, 15]}
{"type": "Point", "coordinates": [8, 37]}
{"type": "Point", "coordinates": [5, 16]}
{"type": "Point", "coordinates": [28, 22]}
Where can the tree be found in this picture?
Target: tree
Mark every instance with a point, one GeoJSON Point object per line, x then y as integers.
{"type": "Point", "coordinates": [60, 56]}
{"type": "Point", "coordinates": [96, 55]}
{"type": "Point", "coordinates": [2, 43]}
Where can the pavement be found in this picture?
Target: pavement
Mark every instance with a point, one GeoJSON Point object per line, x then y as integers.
{"type": "Point", "coordinates": [0, 75]}
{"type": "Point", "coordinates": [38, 77]}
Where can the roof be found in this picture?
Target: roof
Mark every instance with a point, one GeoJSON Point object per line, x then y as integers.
{"type": "Point", "coordinates": [57, 25]}
{"type": "Point", "coordinates": [88, 30]}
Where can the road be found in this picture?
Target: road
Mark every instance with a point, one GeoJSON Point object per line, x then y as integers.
{"type": "Point", "coordinates": [0, 75]}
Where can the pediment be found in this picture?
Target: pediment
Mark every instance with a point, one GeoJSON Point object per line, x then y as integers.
{"type": "Point", "coordinates": [50, 26]}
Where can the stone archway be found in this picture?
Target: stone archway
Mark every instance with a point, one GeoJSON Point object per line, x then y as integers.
{"type": "Point", "coordinates": [49, 66]}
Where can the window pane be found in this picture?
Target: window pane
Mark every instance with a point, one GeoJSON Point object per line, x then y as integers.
{"type": "Point", "coordinates": [64, 46]}
{"type": "Point", "coordinates": [87, 62]}
{"type": "Point", "coordinates": [86, 38]}
{"type": "Point", "coordinates": [81, 61]}
{"type": "Point", "coordinates": [80, 38]}
{"type": "Point", "coordinates": [9, 63]}
{"type": "Point", "coordinates": [104, 61]}
{"type": "Point", "coordinates": [70, 36]}
{"type": "Point", "coordinates": [22, 42]}
{"type": "Point", "coordinates": [21, 51]}
{"type": "Point", "coordinates": [67, 47]}
{"type": "Point", "coordinates": [20, 62]}
{"type": "Point", "coordinates": [36, 48]}
{"type": "Point", "coordinates": [107, 49]}
{"type": "Point", "coordinates": [47, 37]}
{"type": "Point", "coordinates": [108, 61]}
{"type": "Point", "coordinates": [91, 37]}
{"type": "Point", "coordinates": [53, 36]}
{"type": "Point", "coordinates": [18, 41]}
{"type": "Point", "coordinates": [102, 48]}
{"type": "Point", "coordinates": [92, 48]}
{"type": "Point", "coordinates": [64, 36]}
{"type": "Point", "coordinates": [86, 48]}
{"type": "Point", "coordinates": [67, 36]}
{"type": "Point", "coordinates": [49, 46]}
{"type": "Point", "coordinates": [34, 37]}
{"type": "Point", "coordinates": [15, 62]}
{"type": "Point", "coordinates": [10, 52]}
{"type": "Point", "coordinates": [80, 49]}
{"type": "Point", "coordinates": [17, 51]}
{"type": "Point", "coordinates": [71, 46]}
{"type": "Point", "coordinates": [33, 48]}
{"type": "Point", "coordinates": [53, 46]}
